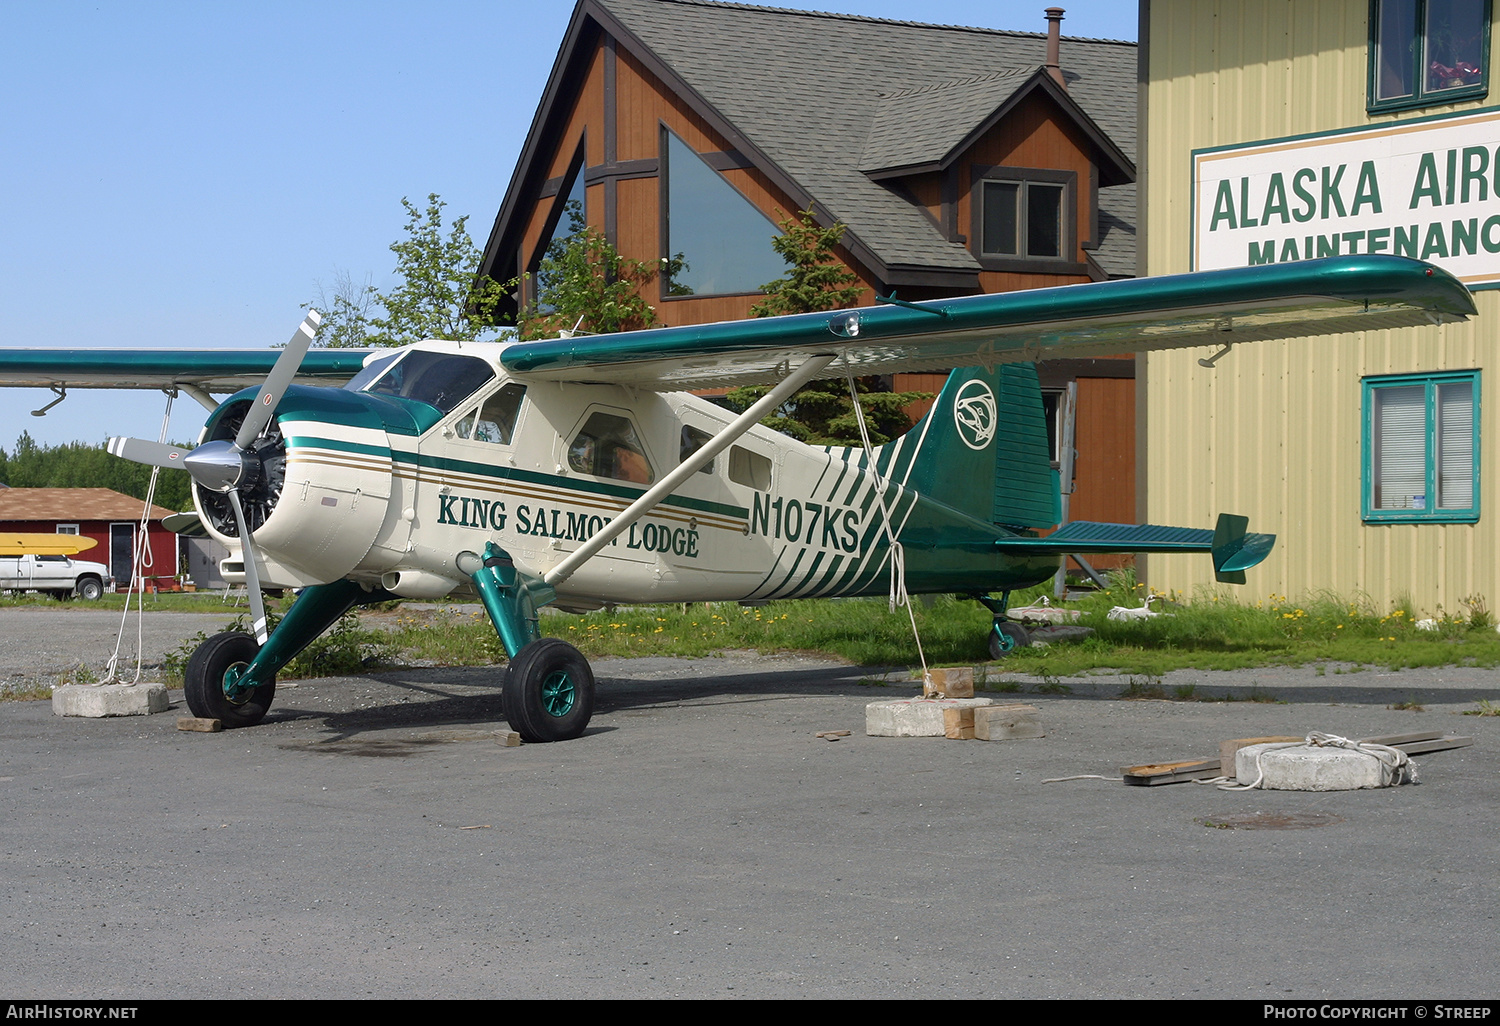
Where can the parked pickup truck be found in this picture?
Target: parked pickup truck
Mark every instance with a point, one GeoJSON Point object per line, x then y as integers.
{"type": "Point", "coordinates": [62, 576]}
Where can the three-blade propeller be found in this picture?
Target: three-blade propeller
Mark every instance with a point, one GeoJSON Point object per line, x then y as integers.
{"type": "Point", "coordinates": [222, 465]}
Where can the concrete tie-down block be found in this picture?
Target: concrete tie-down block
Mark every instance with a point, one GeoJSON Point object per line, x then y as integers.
{"type": "Point", "coordinates": [109, 700]}
{"type": "Point", "coordinates": [1311, 768]}
{"type": "Point", "coordinates": [914, 717]}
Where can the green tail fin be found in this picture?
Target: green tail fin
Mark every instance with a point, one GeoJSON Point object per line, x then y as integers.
{"type": "Point", "coordinates": [982, 448]}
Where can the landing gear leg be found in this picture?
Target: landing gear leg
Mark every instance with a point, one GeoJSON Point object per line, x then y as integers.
{"type": "Point", "coordinates": [549, 687]}
{"type": "Point", "coordinates": [231, 679]}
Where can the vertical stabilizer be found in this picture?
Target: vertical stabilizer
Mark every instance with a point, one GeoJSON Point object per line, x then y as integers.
{"type": "Point", "coordinates": [982, 448]}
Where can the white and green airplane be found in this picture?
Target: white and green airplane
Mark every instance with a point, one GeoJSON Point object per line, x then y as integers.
{"type": "Point", "coordinates": [581, 471]}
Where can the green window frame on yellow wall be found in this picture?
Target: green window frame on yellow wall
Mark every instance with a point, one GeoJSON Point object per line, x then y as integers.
{"type": "Point", "coordinates": [1421, 448]}
{"type": "Point", "coordinates": [1427, 52]}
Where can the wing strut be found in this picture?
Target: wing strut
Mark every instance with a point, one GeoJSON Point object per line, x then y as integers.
{"type": "Point", "coordinates": [690, 466]}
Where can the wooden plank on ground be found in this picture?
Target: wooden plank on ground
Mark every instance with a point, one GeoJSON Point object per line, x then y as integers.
{"type": "Point", "coordinates": [1153, 773]}
{"type": "Point", "coordinates": [1441, 744]}
{"type": "Point", "coordinates": [958, 723]}
{"type": "Point", "coordinates": [1400, 739]}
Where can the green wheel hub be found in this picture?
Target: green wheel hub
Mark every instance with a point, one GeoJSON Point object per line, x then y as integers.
{"type": "Point", "coordinates": [234, 691]}
{"type": "Point", "coordinates": [1005, 641]}
{"type": "Point", "coordinates": [558, 693]}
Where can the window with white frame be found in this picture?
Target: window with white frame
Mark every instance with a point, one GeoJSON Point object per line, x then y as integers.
{"type": "Point", "coordinates": [1421, 448]}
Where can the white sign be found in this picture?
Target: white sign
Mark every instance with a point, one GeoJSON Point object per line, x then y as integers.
{"type": "Point", "coordinates": [1427, 189]}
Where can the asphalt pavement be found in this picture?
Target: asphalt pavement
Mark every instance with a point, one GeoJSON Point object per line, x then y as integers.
{"type": "Point", "coordinates": [371, 839]}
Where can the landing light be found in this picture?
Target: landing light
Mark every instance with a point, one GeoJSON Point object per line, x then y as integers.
{"type": "Point", "coordinates": [846, 324]}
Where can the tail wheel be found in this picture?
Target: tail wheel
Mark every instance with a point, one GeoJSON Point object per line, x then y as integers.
{"type": "Point", "coordinates": [204, 681]}
{"type": "Point", "coordinates": [549, 691]}
{"type": "Point", "coordinates": [1005, 636]}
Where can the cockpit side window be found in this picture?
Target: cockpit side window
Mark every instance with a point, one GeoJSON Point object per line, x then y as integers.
{"type": "Point", "coordinates": [442, 380]}
{"type": "Point", "coordinates": [495, 420]}
{"type": "Point", "coordinates": [608, 446]}
{"type": "Point", "coordinates": [692, 441]}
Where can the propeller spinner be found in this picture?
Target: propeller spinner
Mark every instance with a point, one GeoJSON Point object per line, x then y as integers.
{"type": "Point", "coordinates": [237, 469]}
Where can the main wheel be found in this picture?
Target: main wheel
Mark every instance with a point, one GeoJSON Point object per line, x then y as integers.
{"type": "Point", "coordinates": [1005, 636]}
{"type": "Point", "coordinates": [90, 589]}
{"type": "Point", "coordinates": [549, 691]}
{"type": "Point", "coordinates": [204, 681]}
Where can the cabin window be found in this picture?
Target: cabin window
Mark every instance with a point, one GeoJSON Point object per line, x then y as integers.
{"type": "Point", "coordinates": [608, 446]}
{"type": "Point", "coordinates": [495, 419]}
{"type": "Point", "coordinates": [692, 441]}
{"type": "Point", "coordinates": [1421, 448]}
{"type": "Point", "coordinates": [67, 528]}
{"type": "Point", "coordinates": [750, 469]}
{"type": "Point", "coordinates": [442, 380]}
{"type": "Point", "coordinates": [1023, 218]}
{"type": "Point", "coordinates": [715, 241]}
{"type": "Point", "coordinates": [1425, 52]}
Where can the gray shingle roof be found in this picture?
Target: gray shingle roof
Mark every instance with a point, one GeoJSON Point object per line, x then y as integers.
{"type": "Point", "coordinates": [924, 123]}
{"type": "Point", "coordinates": [824, 95]}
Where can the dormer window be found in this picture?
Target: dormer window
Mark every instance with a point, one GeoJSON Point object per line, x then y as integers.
{"type": "Point", "coordinates": [1023, 219]}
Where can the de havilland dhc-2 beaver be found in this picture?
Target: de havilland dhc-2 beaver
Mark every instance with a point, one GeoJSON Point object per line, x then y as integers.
{"type": "Point", "coordinates": [580, 471]}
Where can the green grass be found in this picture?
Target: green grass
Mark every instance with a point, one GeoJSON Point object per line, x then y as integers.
{"type": "Point", "coordinates": [860, 631]}
{"type": "Point", "coordinates": [1214, 632]}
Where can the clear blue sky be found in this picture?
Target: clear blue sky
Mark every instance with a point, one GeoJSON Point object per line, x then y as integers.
{"type": "Point", "coordinates": [184, 174]}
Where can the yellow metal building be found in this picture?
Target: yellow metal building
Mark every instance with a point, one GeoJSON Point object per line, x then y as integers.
{"type": "Point", "coordinates": [1289, 129]}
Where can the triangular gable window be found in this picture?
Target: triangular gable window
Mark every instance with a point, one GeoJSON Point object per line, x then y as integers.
{"type": "Point", "coordinates": [722, 240]}
{"type": "Point", "coordinates": [571, 220]}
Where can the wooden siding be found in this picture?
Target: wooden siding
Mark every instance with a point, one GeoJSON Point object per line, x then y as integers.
{"type": "Point", "coordinates": [1273, 431]}
{"type": "Point", "coordinates": [1034, 135]}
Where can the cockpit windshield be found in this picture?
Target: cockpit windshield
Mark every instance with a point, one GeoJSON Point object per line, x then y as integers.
{"type": "Point", "coordinates": [442, 380]}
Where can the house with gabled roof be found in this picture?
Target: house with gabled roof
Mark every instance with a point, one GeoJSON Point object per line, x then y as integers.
{"type": "Point", "coordinates": [959, 161]}
{"type": "Point", "coordinates": [109, 517]}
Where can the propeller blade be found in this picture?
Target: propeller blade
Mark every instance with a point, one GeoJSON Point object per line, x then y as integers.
{"type": "Point", "coordinates": [281, 376]}
{"type": "Point", "coordinates": [153, 454]}
{"type": "Point", "coordinates": [252, 575]}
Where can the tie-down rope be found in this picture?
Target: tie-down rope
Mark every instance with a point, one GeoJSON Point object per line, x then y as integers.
{"type": "Point", "coordinates": [898, 594]}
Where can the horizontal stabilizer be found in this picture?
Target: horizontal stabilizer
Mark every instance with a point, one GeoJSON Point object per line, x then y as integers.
{"type": "Point", "coordinates": [1233, 550]}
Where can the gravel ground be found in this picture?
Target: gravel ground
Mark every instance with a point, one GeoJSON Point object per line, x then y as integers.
{"type": "Point", "coordinates": [41, 645]}
{"type": "Point", "coordinates": [371, 839]}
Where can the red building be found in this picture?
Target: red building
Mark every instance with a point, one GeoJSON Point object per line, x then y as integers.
{"type": "Point", "coordinates": [106, 516]}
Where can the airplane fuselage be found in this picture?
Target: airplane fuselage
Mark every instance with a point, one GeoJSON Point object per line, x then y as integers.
{"type": "Point", "coordinates": [386, 490]}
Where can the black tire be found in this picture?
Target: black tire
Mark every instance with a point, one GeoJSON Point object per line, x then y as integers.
{"type": "Point", "coordinates": [204, 681]}
{"type": "Point", "coordinates": [1006, 636]}
{"type": "Point", "coordinates": [549, 692]}
{"type": "Point", "coordinates": [90, 589]}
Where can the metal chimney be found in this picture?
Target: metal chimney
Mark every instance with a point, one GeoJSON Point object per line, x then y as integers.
{"type": "Point", "coordinates": [1054, 44]}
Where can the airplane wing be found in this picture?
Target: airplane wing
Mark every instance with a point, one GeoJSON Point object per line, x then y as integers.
{"type": "Point", "coordinates": [1251, 304]}
{"type": "Point", "coordinates": [213, 370]}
